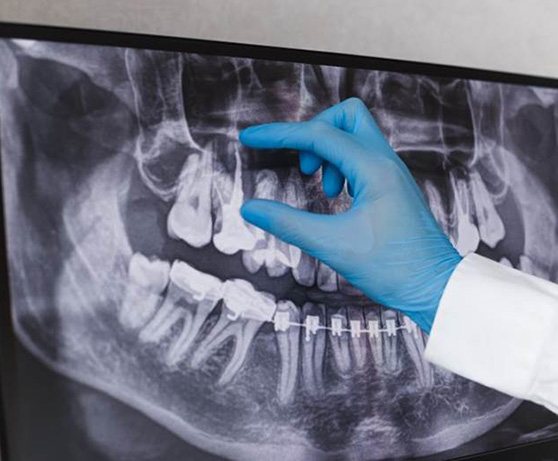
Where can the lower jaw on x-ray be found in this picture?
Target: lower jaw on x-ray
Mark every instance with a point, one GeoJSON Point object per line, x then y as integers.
{"type": "Point", "coordinates": [132, 271]}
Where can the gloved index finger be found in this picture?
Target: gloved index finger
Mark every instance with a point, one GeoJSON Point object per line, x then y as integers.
{"type": "Point", "coordinates": [331, 144]}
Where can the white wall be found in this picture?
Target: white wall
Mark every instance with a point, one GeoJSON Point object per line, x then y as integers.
{"type": "Point", "coordinates": [509, 35]}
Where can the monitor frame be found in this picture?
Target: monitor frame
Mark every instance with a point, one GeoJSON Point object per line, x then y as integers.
{"type": "Point", "coordinates": [533, 451]}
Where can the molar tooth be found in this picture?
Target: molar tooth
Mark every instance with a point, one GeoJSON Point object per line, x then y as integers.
{"type": "Point", "coordinates": [375, 339]}
{"type": "Point", "coordinates": [491, 227]}
{"type": "Point", "coordinates": [326, 278]}
{"type": "Point", "coordinates": [242, 331]}
{"type": "Point", "coordinates": [358, 337]}
{"type": "Point", "coordinates": [313, 350]}
{"type": "Point", "coordinates": [188, 287]}
{"type": "Point", "coordinates": [339, 341]}
{"type": "Point", "coordinates": [392, 359]}
{"type": "Point", "coordinates": [190, 216]}
{"type": "Point", "coordinates": [305, 272]}
{"type": "Point", "coordinates": [465, 234]}
{"type": "Point", "coordinates": [244, 311]}
{"type": "Point", "coordinates": [234, 234]}
{"type": "Point", "coordinates": [242, 299]}
{"type": "Point", "coordinates": [415, 342]}
{"type": "Point", "coordinates": [147, 279]}
{"type": "Point", "coordinates": [201, 292]}
{"type": "Point", "coordinates": [288, 342]}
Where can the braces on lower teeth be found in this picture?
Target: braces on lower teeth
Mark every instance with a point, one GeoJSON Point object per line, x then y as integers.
{"type": "Point", "coordinates": [312, 325]}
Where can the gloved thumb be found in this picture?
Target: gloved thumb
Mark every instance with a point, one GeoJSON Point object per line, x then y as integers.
{"type": "Point", "coordinates": [292, 225]}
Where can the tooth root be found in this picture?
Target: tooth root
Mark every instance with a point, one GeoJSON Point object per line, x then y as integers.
{"type": "Point", "coordinates": [243, 341]}
{"type": "Point", "coordinates": [346, 288]}
{"type": "Point", "coordinates": [415, 344]}
{"type": "Point", "coordinates": [243, 333]}
{"type": "Point", "coordinates": [146, 281]}
{"type": "Point", "coordinates": [313, 351]}
{"type": "Point", "coordinates": [288, 342]}
{"type": "Point", "coordinates": [305, 272]}
{"type": "Point", "coordinates": [219, 333]}
{"type": "Point", "coordinates": [375, 338]}
{"type": "Point", "coordinates": [244, 311]}
{"type": "Point", "coordinates": [436, 205]}
{"type": "Point", "coordinates": [182, 345]}
{"type": "Point", "coordinates": [234, 234]}
{"type": "Point", "coordinates": [491, 227]}
{"type": "Point", "coordinates": [167, 315]}
{"type": "Point", "coordinates": [190, 216]}
{"type": "Point", "coordinates": [326, 278]}
{"type": "Point", "coordinates": [358, 337]}
{"type": "Point", "coordinates": [339, 340]}
{"type": "Point", "coordinates": [465, 234]}
{"type": "Point", "coordinates": [392, 361]}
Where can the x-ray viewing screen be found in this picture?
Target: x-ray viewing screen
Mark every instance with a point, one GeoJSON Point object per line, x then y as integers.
{"type": "Point", "coordinates": [132, 273]}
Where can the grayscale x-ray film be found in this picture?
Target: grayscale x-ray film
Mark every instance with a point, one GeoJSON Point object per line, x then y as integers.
{"type": "Point", "coordinates": [132, 271]}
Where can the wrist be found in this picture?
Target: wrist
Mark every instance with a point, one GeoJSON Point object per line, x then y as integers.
{"type": "Point", "coordinates": [441, 276]}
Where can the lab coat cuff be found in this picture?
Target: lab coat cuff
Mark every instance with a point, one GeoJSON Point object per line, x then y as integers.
{"type": "Point", "coordinates": [496, 325]}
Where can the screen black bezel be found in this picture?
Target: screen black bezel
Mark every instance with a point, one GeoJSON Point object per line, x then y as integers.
{"type": "Point", "coordinates": [533, 451]}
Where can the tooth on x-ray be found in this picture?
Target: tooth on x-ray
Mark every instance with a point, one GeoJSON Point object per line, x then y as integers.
{"type": "Point", "coordinates": [190, 216]}
{"type": "Point", "coordinates": [465, 234]}
{"type": "Point", "coordinates": [147, 280]}
{"type": "Point", "coordinates": [269, 251]}
{"type": "Point", "coordinates": [326, 278]}
{"type": "Point", "coordinates": [491, 227]}
{"type": "Point", "coordinates": [288, 342]}
{"type": "Point", "coordinates": [234, 234]}
{"type": "Point", "coordinates": [244, 301]}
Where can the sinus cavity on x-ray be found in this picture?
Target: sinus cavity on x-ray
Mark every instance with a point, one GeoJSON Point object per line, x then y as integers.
{"type": "Point", "coordinates": [132, 271]}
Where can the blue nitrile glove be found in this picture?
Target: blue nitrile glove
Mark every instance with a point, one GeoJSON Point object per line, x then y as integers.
{"type": "Point", "coordinates": [388, 244]}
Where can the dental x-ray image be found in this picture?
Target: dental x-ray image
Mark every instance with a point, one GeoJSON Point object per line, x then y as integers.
{"type": "Point", "coordinates": [132, 271]}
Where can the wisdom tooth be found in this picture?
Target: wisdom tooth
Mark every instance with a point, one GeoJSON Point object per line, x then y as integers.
{"type": "Point", "coordinates": [147, 279]}
{"type": "Point", "coordinates": [465, 233]}
{"type": "Point", "coordinates": [190, 216]}
{"type": "Point", "coordinates": [326, 278]}
{"type": "Point", "coordinates": [391, 341]}
{"type": "Point", "coordinates": [339, 341]}
{"type": "Point", "coordinates": [268, 251]}
{"type": "Point", "coordinates": [358, 338]}
{"type": "Point", "coordinates": [313, 350]}
{"type": "Point", "coordinates": [288, 344]}
{"type": "Point", "coordinates": [202, 292]}
{"type": "Point", "coordinates": [374, 336]}
{"type": "Point", "coordinates": [234, 235]}
{"type": "Point", "coordinates": [415, 343]}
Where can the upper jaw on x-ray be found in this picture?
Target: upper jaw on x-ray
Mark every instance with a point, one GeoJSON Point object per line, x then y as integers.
{"type": "Point", "coordinates": [132, 271]}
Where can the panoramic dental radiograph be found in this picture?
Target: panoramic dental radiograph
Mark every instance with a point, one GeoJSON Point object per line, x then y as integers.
{"type": "Point", "coordinates": [132, 271]}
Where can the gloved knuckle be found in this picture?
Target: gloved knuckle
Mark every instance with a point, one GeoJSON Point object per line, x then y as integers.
{"type": "Point", "coordinates": [355, 103]}
{"type": "Point", "coordinates": [319, 127]}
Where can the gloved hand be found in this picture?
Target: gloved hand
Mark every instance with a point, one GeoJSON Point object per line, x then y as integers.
{"type": "Point", "coordinates": [388, 243]}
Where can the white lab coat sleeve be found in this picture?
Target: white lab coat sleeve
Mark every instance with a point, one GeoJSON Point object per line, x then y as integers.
{"type": "Point", "coordinates": [499, 327]}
